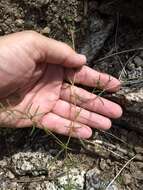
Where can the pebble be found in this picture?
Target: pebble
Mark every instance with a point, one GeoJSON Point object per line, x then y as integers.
{"type": "Point", "coordinates": [103, 164]}
{"type": "Point", "coordinates": [131, 66]}
{"type": "Point", "coordinates": [10, 175]}
{"type": "Point", "coordinates": [127, 179]}
{"type": "Point", "coordinates": [46, 30]}
{"type": "Point", "coordinates": [19, 22]}
{"type": "Point", "coordinates": [42, 186]}
{"type": "Point", "coordinates": [78, 19]}
{"type": "Point", "coordinates": [138, 61]}
{"type": "Point", "coordinates": [75, 177]}
{"type": "Point", "coordinates": [139, 150]}
{"type": "Point", "coordinates": [139, 157]}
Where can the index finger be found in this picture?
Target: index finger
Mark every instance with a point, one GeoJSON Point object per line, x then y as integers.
{"type": "Point", "coordinates": [57, 52]}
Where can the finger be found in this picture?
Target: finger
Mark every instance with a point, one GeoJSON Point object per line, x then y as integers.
{"type": "Point", "coordinates": [87, 76]}
{"type": "Point", "coordinates": [44, 49]}
{"type": "Point", "coordinates": [77, 114]}
{"type": "Point", "coordinates": [64, 126]}
{"type": "Point", "coordinates": [56, 52]}
{"type": "Point", "coordinates": [90, 101]}
{"type": "Point", "coordinates": [59, 53]}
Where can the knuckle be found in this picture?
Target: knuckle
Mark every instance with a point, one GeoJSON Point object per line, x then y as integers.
{"type": "Point", "coordinates": [67, 48]}
{"type": "Point", "coordinates": [30, 35]}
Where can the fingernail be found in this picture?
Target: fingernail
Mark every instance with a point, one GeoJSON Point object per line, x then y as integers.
{"type": "Point", "coordinates": [82, 58]}
{"type": "Point", "coordinates": [84, 132]}
{"type": "Point", "coordinates": [118, 86]}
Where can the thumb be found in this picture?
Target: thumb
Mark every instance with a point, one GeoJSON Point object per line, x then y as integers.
{"type": "Point", "coordinates": [56, 52]}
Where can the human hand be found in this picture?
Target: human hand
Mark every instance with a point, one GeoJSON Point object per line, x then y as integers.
{"type": "Point", "coordinates": [34, 71]}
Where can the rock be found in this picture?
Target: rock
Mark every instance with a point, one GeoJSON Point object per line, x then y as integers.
{"type": "Point", "coordinates": [10, 175]}
{"type": "Point", "coordinates": [78, 19]}
{"type": "Point", "coordinates": [133, 70]}
{"type": "Point", "coordinates": [9, 186]}
{"type": "Point", "coordinates": [109, 162]}
{"type": "Point", "coordinates": [74, 179]}
{"type": "Point", "coordinates": [19, 22]}
{"type": "Point", "coordinates": [131, 99]}
{"type": "Point", "coordinates": [93, 181]}
{"type": "Point", "coordinates": [127, 178]}
{"type": "Point", "coordinates": [131, 66]}
{"type": "Point", "coordinates": [46, 30]}
{"type": "Point", "coordinates": [98, 31]}
{"type": "Point", "coordinates": [37, 163]}
{"type": "Point", "coordinates": [133, 107]}
{"type": "Point", "coordinates": [103, 164]}
{"type": "Point", "coordinates": [139, 157]}
{"type": "Point", "coordinates": [138, 149]}
{"type": "Point", "coordinates": [31, 163]}
{"type": "Point", "coordinates": [138, 61]}
{"type": "Point", "coordinates": [46, 185]}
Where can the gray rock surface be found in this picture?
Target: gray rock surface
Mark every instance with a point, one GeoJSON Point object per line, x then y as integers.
{"type": "Point", "coordinates": [133, 93]}
{"type": "Point", "coordinates": [127, 179]}
{"type": "Point", "coordinates": [133, 114]}
{"type": "Point", "coordinates": [93, 181]}
{"type": "Point", "coordinates": [38, 165]}
{"type": "Point", "coordinates": [31, 163]}
{"type": "Point", "coordinates": [98, 31]}
{"type": "Point", "coordinates": [42, 186]}
{"type": "Point", "coordinates": [74, 180]}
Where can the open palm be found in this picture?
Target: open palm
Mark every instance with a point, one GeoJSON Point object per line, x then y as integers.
{"type": "Point", "coordinates": [39, 77]}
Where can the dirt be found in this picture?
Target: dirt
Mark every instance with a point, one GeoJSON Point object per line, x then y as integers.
{"type": "Point", "coordinates": [52, 18]}
{"type": "Point", "coordinates": [101, 28]}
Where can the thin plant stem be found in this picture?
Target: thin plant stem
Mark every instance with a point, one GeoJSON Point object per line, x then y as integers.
{"type": "Point", "coordinates": [119, 53]}
{"type": "Point", "coordinates": [107, 188]}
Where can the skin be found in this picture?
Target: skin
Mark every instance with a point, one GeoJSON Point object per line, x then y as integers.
{"type": "Point", "coordinates": [38, 85]}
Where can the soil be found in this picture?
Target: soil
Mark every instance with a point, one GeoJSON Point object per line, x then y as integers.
{"type": "Point", "coordinates": [118, 27]}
